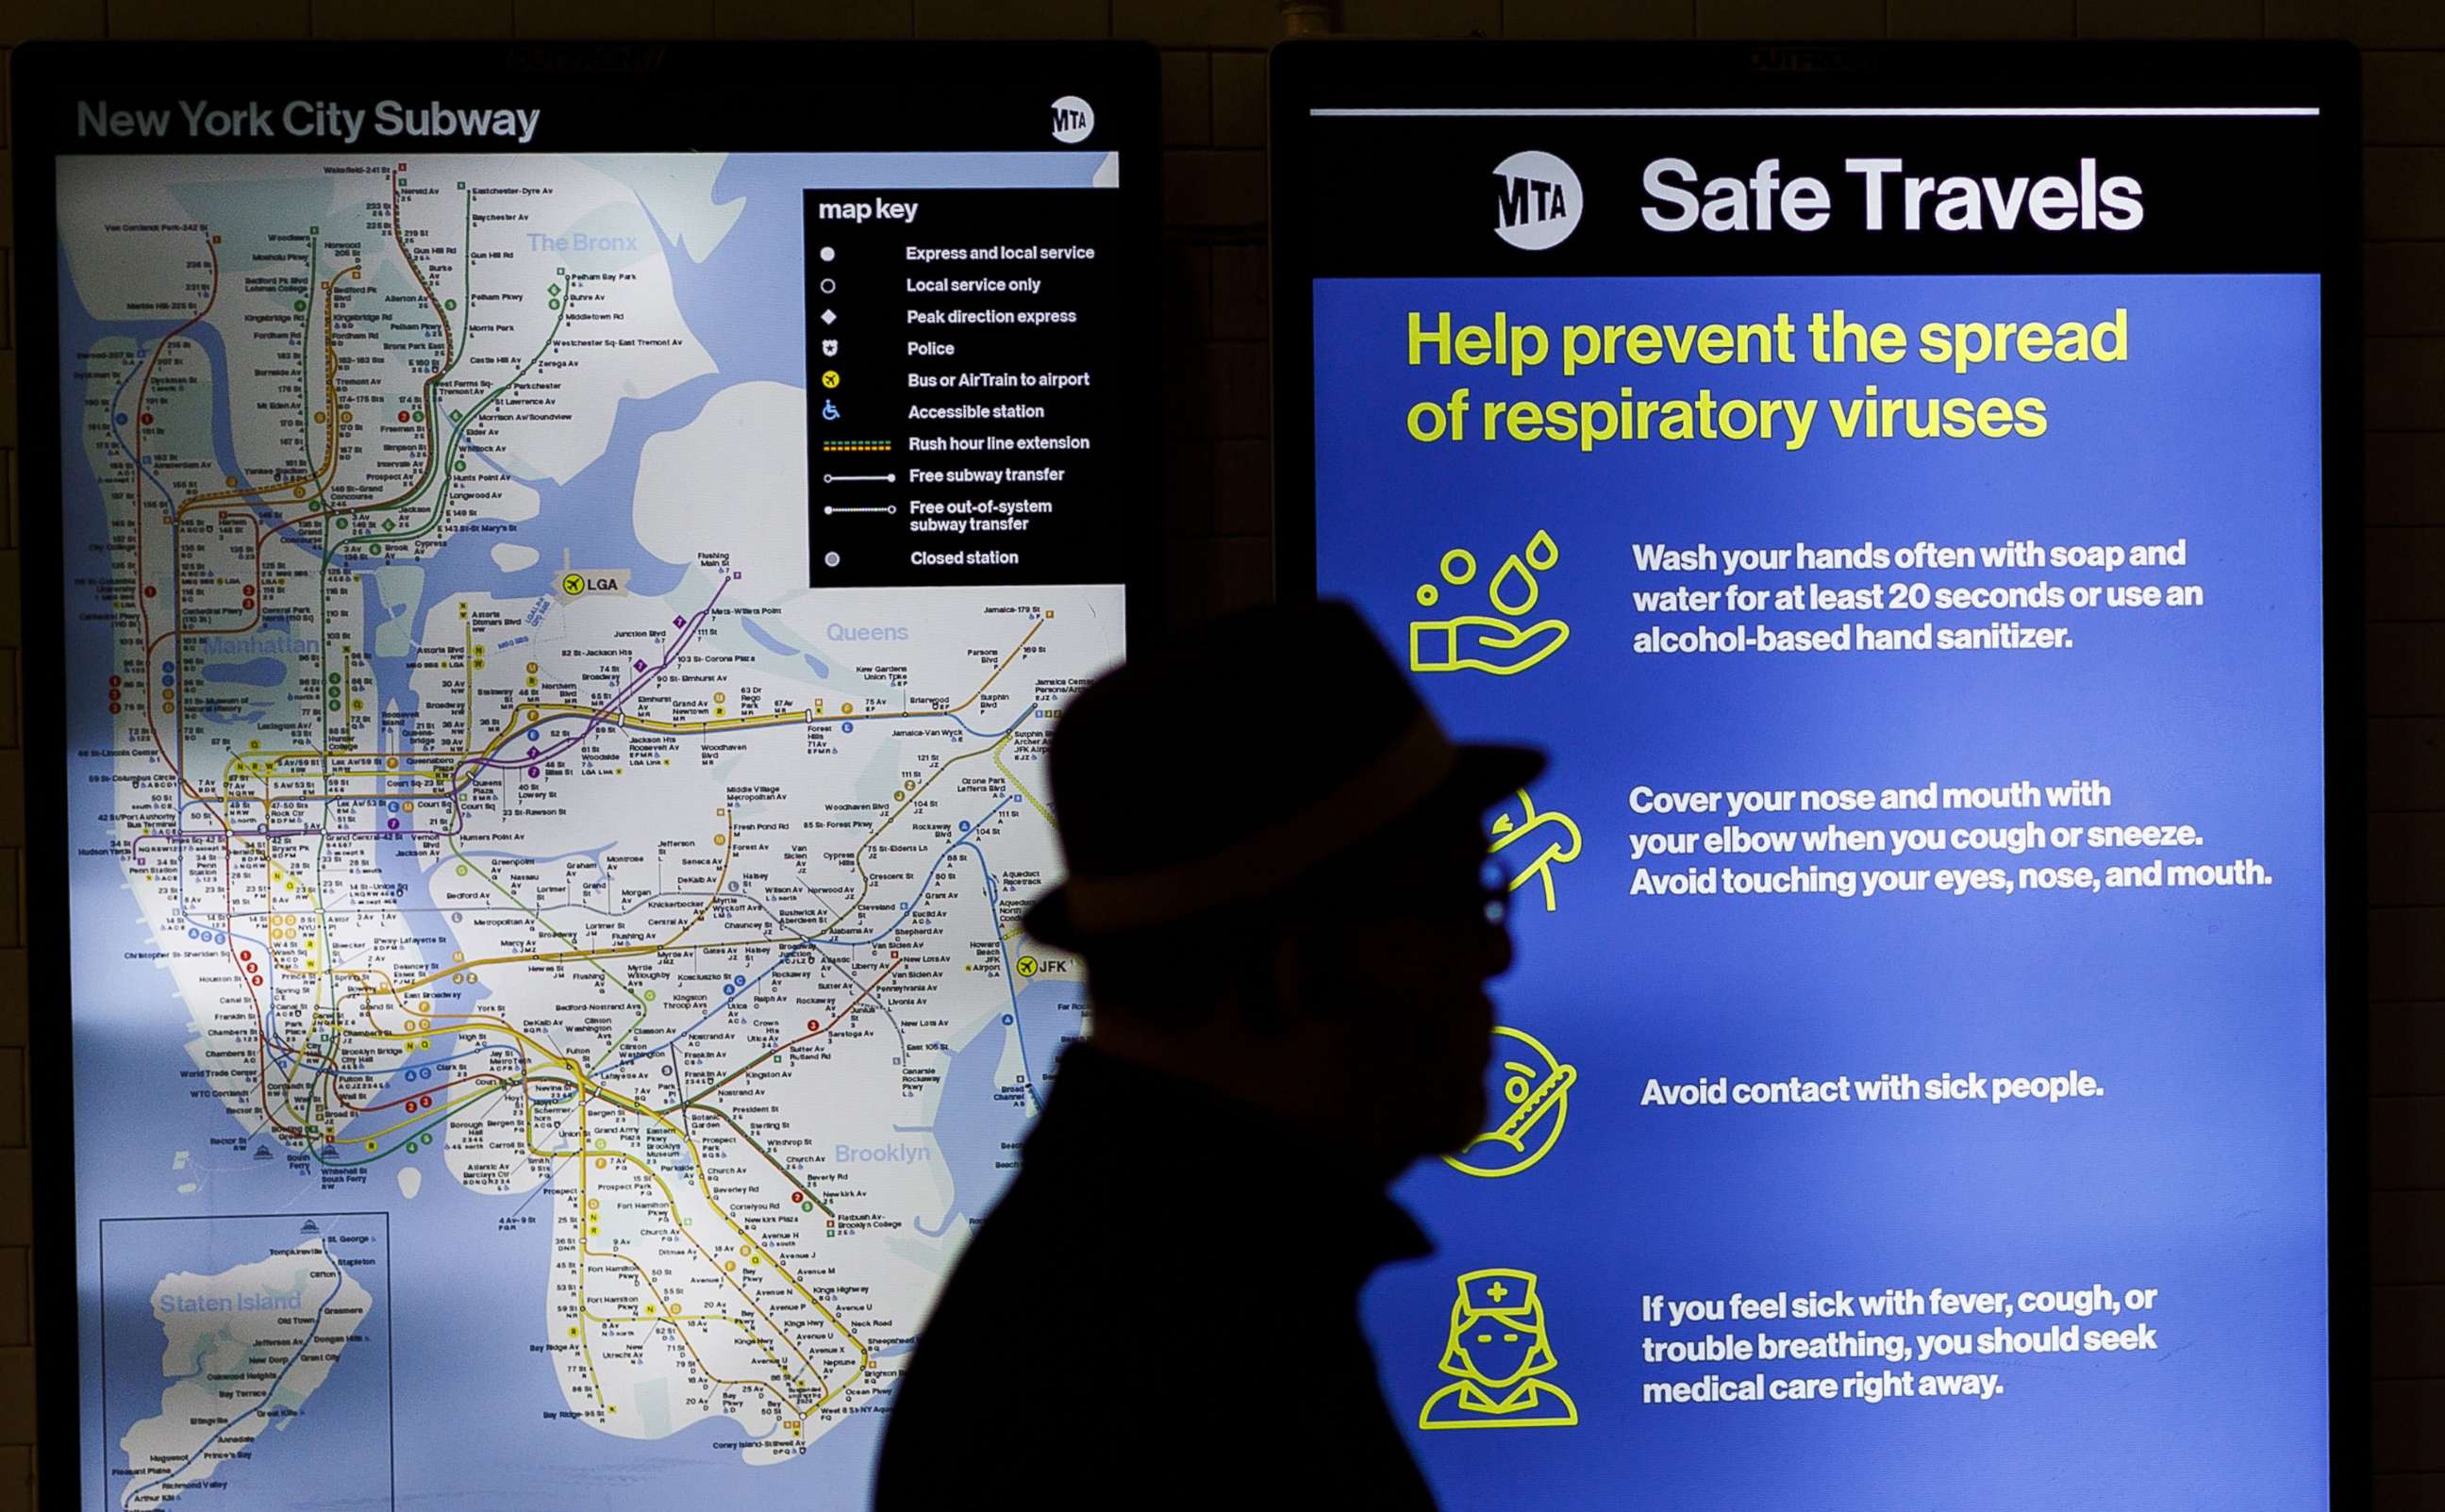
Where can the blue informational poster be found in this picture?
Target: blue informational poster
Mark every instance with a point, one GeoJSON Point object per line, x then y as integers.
{"type": "Point", "coordinates": [1913, 1087]}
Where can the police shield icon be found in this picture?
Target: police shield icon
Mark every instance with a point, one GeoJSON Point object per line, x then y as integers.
{"type": "Point", "coordinates": [831, 349]}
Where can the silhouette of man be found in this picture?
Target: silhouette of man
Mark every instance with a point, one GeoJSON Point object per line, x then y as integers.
{"type": "Point", "coordinates": [1278, 883]}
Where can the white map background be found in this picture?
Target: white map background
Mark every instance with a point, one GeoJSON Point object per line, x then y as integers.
{"type": "Point", "coordinates": [650, 954]}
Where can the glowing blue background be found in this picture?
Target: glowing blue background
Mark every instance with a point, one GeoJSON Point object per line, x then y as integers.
{"type": "Point", "coordinates": [2202, 1171]}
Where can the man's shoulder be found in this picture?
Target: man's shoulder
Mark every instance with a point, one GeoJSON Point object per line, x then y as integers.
{"type": "Point", "coordinates": [1058, 1239]}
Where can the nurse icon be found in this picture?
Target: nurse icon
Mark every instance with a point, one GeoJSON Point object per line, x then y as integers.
{"type": "Point", "coordinates": [1498, 1354]}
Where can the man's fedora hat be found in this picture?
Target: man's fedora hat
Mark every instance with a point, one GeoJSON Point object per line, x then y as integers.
{"type": "Point", "coordinates": [1225, 766]}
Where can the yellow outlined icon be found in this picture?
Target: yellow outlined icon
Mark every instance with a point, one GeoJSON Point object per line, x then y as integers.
{"type": "Point", "coordinates": [1537, 1095]}
{"type": "Point", "coordinates": [1507, 833]}
{"type": "Point", "coordinates": [1495, 643]}
{"type": "Point", "coordinates": [1499, 1356]}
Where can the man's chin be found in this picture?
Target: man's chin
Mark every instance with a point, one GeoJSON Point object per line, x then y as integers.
{"type": "Point", "coordinates": [1465, 1124]}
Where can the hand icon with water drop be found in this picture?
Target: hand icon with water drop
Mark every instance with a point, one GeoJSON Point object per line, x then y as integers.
{"type": "Point", "coordinates": [1481, 643]}
{"type": "Point", "coordinates": [1484, 643]}
{"type": "Point", "coordinates": [1541, 554]}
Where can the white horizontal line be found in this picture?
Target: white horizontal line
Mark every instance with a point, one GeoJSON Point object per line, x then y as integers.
{"type": "Point", "coordinates": [1821, 110]}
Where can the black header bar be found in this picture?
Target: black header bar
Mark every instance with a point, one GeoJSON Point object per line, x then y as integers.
{"type": "Point", "coordinates": [391, 97]}
{"type": "Point", "coordinates": [1432, 159]}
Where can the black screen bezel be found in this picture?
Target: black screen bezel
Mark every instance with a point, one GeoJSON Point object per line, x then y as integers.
{"type": "Point", "coordinates": [1333, 73]}
{"type": "Point", "coordinates": [596, 97]}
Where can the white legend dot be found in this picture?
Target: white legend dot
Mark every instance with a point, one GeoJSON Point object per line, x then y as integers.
{"type": "Point", "coordinates": [826, 255]}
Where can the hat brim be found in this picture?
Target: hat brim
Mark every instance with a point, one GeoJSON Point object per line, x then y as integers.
{"type": "Point", "coordinates": [1481, 776]}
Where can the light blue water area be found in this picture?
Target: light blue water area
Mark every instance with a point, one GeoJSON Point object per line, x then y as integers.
{"type": "Point", "coordinates": [1050, 1015]}
{"type": "Point", "coordinates": [779, 647]}
{"type": "Point", "coordinates": [982, 1118]}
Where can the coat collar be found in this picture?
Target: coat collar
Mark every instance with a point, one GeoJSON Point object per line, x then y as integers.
{"type": "Point", "coordinates": [1252, 1180]}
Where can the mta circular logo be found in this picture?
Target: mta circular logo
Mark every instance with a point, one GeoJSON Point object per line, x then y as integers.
{"type": "Point", "coordinates": [1074, 119]}
{"type": "Point", "coordinates": [1537, 200]}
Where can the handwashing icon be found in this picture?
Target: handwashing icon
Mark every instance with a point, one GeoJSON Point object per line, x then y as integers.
{"type": "Point", "coordinates": [1494, 643]}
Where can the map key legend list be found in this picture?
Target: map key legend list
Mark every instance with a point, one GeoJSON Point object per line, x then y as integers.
{"type": "Point", "coordinates": [961, 426]}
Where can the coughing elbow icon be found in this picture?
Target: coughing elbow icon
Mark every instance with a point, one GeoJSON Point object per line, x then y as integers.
{"type": "Point", "coordinates": [1508, 832]}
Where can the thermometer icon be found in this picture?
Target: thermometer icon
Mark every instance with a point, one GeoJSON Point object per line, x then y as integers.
{"type": "Point", "coordinates": [1536, 1085]}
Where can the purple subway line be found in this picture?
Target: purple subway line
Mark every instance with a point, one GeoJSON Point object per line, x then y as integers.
{"type": "Point", "coordinates": [595, 720]}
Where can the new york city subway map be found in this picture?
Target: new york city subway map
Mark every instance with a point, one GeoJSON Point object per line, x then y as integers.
{"type": "Point", "coordinates": [541, 969]}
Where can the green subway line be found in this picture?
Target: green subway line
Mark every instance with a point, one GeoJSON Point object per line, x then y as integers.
{"type": "Point", "coordinates": [458, 439]}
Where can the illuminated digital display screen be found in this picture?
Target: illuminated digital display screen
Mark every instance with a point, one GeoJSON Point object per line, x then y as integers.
{"type": "Point", "coordinates": [566, 563]}
{"type": "Point", "coordinates": [1900, 489]}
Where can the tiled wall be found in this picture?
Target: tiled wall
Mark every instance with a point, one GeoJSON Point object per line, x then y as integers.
{"type": "Point", "coordinates": [1217, 515]}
